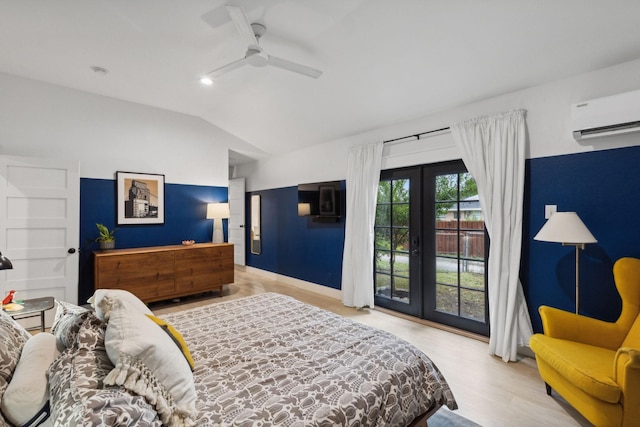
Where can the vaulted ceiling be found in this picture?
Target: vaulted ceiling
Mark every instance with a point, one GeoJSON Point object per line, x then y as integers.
{"type": "Point", "coordinates": [383, 61]}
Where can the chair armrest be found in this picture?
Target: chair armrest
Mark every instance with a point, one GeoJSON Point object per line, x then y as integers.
{"type": "Point", "coordinates": [574, 327]}
{"type": "Point", "coordinates": [626, 371]}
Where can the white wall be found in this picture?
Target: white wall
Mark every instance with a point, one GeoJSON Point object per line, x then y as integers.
{"type": "Point", "coordinates": [548, 121]}
{"type": "Point", "coordinates": [108, 135]}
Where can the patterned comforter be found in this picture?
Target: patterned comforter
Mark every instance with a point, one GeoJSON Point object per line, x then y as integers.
{"type": "Point", "coordinates": [272, 360]}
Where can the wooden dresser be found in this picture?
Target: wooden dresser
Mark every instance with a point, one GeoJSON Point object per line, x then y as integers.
{"type": "Point", "coordinates": [164, 272]}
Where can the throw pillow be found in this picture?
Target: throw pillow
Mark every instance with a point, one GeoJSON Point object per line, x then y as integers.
{"type": "Point", "coordinates": [176, 337]}
{"type": "Point", "coordinates": [103, 300]}
{"type": "Point", "coordinates": [66, 323]}
{"type": "Point", "coordinates": [148, 363]}
{"type": "Point", "coordinates": [78, 394]}
{"type": "Point", "coordinates": [28, 392]}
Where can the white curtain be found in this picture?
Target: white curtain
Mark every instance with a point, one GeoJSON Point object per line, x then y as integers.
{"type": "Point", "coordinates": [363, 176]}
{"type": "Point", "coordinates": [493, 149]}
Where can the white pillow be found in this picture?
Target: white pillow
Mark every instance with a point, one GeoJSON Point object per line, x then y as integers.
{"type": "Point", "coordinates": [103, 299]}
{"type": "Point", "coordinates": [148, 363]}
{"type": "Point", "coordinates": [28, 391]}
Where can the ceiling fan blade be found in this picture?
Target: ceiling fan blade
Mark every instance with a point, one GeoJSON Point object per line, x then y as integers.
{"type": "Point", "coordinates": [292, 66]}
{"type": "Point", "coordinates": [226, 68]}
{"type": "Point", "coordinates": [242, 24]}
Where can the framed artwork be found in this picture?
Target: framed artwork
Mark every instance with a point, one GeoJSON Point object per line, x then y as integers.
{"type": "Point", "coordinates": [139, 198]}
{"type": "Point", "coordinates": [327, 200]}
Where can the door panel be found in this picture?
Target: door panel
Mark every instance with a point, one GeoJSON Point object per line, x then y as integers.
{"type": "Point", "coordinates": [397, 250]}
{"type": "Point", "coordinates": [39, 213]}
{"type": "Point", "coordinates": [454, 263]}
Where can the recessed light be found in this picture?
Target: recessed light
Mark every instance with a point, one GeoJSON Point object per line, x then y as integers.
{"type": "Point", "coordinates": [206, 80]}
{"type": "Point", "coordinates": [99, 70]}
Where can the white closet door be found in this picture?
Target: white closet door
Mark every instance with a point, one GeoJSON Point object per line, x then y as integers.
{"type": "Point", "coordinates": [39, 228]}
{"type": "Point", "coordinates": [236, 219]}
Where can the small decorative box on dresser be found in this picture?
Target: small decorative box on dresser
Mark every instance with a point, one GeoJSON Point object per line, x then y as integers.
{"type": "Point", "coordinates": [164, 272]}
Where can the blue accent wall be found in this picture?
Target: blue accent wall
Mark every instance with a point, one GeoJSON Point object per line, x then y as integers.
{"type": "Point", "coordinates": [296, 246]}
{"type": "Point", "coordinates": [602, 187]}
{"type": "Point", "coordinates": [185, 211]}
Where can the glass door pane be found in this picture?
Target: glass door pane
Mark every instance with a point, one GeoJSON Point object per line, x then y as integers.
{"type": "Point", "coordinates": [395, 240]}
{"type": "Point", "coordinates": [459, 275]}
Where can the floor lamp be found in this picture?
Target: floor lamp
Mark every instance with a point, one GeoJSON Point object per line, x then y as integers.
{"type": "Point", "coordinates": [217, 212]}
{"type": "Point", "coordinates": [567, 228]}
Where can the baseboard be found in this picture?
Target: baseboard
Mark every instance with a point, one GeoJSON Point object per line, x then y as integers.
{"type": "Point", "coordinates": [300, 284]}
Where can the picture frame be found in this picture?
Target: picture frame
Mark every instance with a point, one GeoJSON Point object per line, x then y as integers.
{"type": "Point", "coordinates": [139, 198]}
{"type": "Point", "coordinates": [327, 202]}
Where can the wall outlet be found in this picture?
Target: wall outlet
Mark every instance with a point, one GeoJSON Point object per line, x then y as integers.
{"type": "Point", "coordinates": [549, 210]}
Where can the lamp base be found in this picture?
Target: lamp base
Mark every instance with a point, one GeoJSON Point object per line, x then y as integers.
{"type": "Point", "coordinates": [218, 234]}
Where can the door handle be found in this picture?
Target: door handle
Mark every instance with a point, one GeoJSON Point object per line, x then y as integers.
{"type": "Point", "coordinates": [72, 250]}
{"type": "Point", "coordinates": [415, 252]}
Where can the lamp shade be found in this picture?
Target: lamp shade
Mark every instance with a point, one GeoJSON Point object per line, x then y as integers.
{"type": "Point", "coordinates": [565, 227]}
{"type": "Point", "coordinates": [5, 263]}
{"type": "Point", "coordinates": [304, 209]}
{"type": "Point", "coordinates": [217, 210]}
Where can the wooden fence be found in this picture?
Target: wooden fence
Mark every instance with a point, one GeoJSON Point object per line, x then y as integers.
{"type": "Point", "coordinates": [471, 238]}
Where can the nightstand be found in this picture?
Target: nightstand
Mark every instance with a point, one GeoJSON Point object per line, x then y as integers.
{"type": "Point", "coordinates": [33, 308]}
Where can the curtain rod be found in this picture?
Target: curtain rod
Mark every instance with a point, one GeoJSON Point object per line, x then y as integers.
{"type": "Point", "coordinates": [417, 135]}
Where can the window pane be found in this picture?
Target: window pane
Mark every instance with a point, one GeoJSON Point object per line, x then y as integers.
{"type": "Point", "coordinates": [401, 264]}
{"type": "Point", "coordinates": [383, 215]}
{"type": "Point", "coordinates": [383, 263]}
{"type": "Point", "coordinates": [384, 193]}
{"type": "Point", "coordinates": [447, 243]}
{"type": "Point", "coordinates": [401, 215]}
{"type": "Point", "coordinates": [447, 188]}
{"type": "Point", "coordinates": [447, 271]}
{"type": "Point", "coordinates": [383, 238]}
{"type": "Point", "coordinates": [447, 212]}
{"type": "Point", "coordinates": [401, 288]}
{"type": "Point", "coordinates": [447, 299]}
{"type": "Point", "coordinates": [472, 242]}
{"type": "Point", "coordinates": [401, 239]}
{"type": "Point", "coordinates": [383, 285]}
{"type": "Point", "coordinates": [472, 304]}
{"type": "Point", "coordinates": [400, 191]}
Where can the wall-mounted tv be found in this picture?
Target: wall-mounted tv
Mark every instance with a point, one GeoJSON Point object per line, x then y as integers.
{"type": "Point", "coordinates": [320, 200]}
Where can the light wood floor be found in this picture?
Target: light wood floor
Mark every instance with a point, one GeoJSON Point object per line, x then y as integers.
{"type": "Point", "coordinates": [489, 391]}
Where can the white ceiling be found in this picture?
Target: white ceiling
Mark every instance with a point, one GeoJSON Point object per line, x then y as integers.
{"type": "Point", "coordinates": [384, 61]}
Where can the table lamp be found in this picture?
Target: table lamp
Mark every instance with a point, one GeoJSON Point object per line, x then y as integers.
{"type": "Point", "coordinates": [217, 212]}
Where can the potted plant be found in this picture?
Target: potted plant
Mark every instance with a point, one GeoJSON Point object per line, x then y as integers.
{"type": "Point", "coordinates": [106, 237]}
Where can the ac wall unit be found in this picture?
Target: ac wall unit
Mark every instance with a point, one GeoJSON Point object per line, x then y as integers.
{"type": "Point", "coordinates": [610, 115]}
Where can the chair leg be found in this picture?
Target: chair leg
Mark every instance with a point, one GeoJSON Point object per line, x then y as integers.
{"type": "Point", "coordinates": [548, 387]}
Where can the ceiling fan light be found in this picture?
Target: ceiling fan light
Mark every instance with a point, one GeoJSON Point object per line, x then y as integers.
{"type": "Point", "coordinates": [206, 80]}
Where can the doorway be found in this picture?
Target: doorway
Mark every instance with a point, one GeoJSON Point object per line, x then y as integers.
{"type": "Point", "coordinates": [431, 246]}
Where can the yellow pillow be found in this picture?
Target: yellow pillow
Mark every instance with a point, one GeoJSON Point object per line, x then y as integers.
{"type": "Point", "coordinates": [176, 337]}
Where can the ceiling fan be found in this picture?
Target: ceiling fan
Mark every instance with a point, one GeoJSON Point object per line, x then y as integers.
{"type": "Point", "coordinates": [255, 55]}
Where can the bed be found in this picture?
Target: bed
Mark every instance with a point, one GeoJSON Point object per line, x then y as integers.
{"type": "Point", "coordinates": [263, 360]}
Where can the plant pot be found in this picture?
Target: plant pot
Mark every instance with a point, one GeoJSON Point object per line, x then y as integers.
{"type": "Point", "coordinates": [107, 245]}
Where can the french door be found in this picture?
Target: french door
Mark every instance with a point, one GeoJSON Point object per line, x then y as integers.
{"type": "Point", "coordinates": [431, 246]}
{"type": "Point", "coordinates": [397, 242]}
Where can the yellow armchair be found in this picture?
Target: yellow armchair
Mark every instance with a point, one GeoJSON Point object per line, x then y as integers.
{"type": "Point", "coordinates": [595, 365]}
